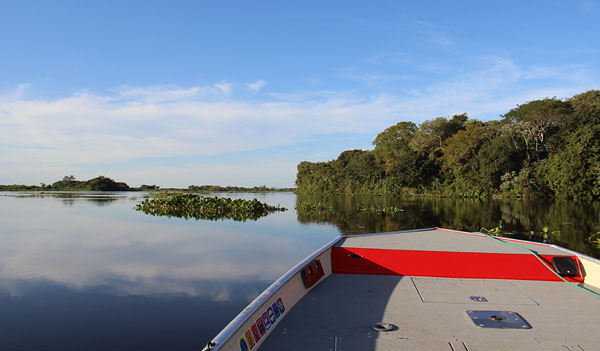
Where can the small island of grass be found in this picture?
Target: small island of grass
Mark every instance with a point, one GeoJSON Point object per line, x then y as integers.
{"type": "Point", "coordinates": [199, 207]}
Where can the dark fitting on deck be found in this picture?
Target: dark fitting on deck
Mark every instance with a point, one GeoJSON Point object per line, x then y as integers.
{"type": "Point", "coordinates": [565, 266]}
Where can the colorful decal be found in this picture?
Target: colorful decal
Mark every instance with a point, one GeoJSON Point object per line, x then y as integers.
{"type": "Point", "coordinates": [243, 344]}
{"type": "Point", "coordinates": [265, 318]}
{"type": "Point", "coordinates": [255, 332]}
{"type": "Point", "coordinates": [280, 305]}
{"type": "Point", "coordinates": [250, 339]}
{"type": "Point", "coordinates": [271, 315]}
{"type": "Point", "coordinates": [275, 310]}
{"type": "Point", "coordinates": [261, 326]}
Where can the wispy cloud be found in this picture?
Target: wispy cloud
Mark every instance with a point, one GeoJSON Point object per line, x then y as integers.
{"type": "Point", "coordinates": [133, 123]}
{"type": "Point", "coordinates": [158, 94]}
{"type": "Point", "coordinates": [225, 87]}
{"type": "Point", "coordinates": [382, 58]}
{"type": "Point", "coordinates": [15, 94]}
{"type": "Point", "coordinates": [589, 6]}
{"type": "Point", "coordinates": [256, 86]}
{"type": "Point", "coordinates": [433, 33]}
{"type": "Point", "coordinates": [139, 122]}
{"type": "Point", "coordinates": [378, 77]}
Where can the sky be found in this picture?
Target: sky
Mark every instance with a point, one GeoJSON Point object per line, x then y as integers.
{"type": "Point", "coordinates": [179, 93]}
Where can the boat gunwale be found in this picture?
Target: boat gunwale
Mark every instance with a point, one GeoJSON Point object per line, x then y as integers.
{"type": "Point", "coordinates": [558, 247]}
{"type": "Point", "coordinates": [233, 327]}
{"type": "Point", "coordinates": [344, 236]}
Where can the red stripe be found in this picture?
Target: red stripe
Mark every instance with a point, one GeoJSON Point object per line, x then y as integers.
{"type": "Point", "coordinates": [444, 264]}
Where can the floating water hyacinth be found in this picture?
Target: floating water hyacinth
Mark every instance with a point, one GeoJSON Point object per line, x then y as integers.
{"type": "Point", "coordinates": [212, 208]}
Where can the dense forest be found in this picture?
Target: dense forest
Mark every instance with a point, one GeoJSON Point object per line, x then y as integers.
{"type": "Point", "coordinates": [548, 147]}
{"type": "Point", "coordinates": [235, 189]}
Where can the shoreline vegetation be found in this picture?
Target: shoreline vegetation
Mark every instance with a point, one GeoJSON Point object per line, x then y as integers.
{"type": "Point", "coordinates": [546, 148]}
{"type": "Point", "coordinates": [102, 183]}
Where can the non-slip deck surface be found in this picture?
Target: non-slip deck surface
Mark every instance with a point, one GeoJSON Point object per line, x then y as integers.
{"type": "Point", "coordinates": [442, 240]}
{"type": "Point", "coordinates": [430, 314]}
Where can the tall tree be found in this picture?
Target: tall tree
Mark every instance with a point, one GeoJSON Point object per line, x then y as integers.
{"type": "Point", "coordinates": [462, 147]}
{"type": "Point", "coordinates": [575, 171]}
{"type": "Point", "coordinates": [430, 135]}
{"type": "Point", "coordinates": [392, 144]}
{"type": "Point", "coordinates": [534, 122]}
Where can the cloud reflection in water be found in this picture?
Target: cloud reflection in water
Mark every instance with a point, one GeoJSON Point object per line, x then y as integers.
{"type": "Point", "coordinates": [128, 253]}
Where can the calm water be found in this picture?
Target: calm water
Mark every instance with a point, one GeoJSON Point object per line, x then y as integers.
{"type": "Point", "coordinates": [92, 273]}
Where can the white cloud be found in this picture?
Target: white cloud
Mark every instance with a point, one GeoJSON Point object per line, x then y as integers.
{"type": "Point", "coordinates": [15, 94]}
{"type": "Point", "coordinates": [256, 86]}
{"type": "Point", "coordinates": [54, 135]}
{"type": "Point", "coordinates": [225, 87]}
{"type": "Point", "coordinates": [158, 94]}
{"type": "Point", "coordinates": [132, 123]}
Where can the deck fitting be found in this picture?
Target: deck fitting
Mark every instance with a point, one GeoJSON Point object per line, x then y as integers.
{"type": "Point", "coordinates": [383, 327]}
{"type": "Point", "coordinates": [498, 319]}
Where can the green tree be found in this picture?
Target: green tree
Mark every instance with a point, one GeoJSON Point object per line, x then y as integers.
{"type": "Point", "coordinates": [357, 171]}
{"type": "Point", "coordinates": [462, 147]}
{"type": "Point", "coordinates": [430, 136]}
{"type": "Point", "coordinates": [586, 108]}
{"type": "Point", "coordinates": [534, 122]}
{"type": "Point", "coordinates": [575, 171]}
{"type": "Point", "coordinates": [413, 169]}
{"type": "Point", "coordinates": [102, 183]}
{"type": "Point", "coordinates": [392, 144]}
{"type": "Point", "coordinates": [495, 159]}
{"type": "Point", "coordinates": [316, 177]}
{"type": "Point", "coordinates": [458, 160]}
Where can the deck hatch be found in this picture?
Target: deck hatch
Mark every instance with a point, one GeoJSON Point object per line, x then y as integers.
{"type": "Point", "coordinates": [470, 291]}
{"type": "Point", "coordinates": [498, 319]}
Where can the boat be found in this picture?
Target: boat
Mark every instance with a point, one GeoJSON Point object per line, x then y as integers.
{"type": "Point", "coordinates": [426, 289]}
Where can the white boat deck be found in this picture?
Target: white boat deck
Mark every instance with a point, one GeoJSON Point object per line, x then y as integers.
{"type": "Point", "coordinates": [430, 313]}
{"type": "Point", "coordinates": [443, 240]}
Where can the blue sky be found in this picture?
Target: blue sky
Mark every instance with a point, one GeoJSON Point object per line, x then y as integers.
{"type": "Point", "coordinates": [176, 93]}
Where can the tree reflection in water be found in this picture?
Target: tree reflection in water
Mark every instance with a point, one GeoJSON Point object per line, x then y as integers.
{"type": "Point", "coordinates": [570, 224]}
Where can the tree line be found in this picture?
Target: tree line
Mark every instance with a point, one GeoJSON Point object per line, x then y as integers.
{"type": "Point", "coordinates": [102, 183]}
{"type": "Point", "coordinates": [69, 183]}
{"type": "Point", "coordinates": [548, 147]}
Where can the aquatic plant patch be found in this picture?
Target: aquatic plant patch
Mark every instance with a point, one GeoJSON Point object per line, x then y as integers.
{"type": "Point", "coordinates": [200, 207]}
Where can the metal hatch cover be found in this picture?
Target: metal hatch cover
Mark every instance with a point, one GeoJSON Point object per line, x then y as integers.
{"type": "Point", "coordinates": [498, 319]}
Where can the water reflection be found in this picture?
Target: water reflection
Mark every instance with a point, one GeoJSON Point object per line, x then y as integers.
{"type": "Point", "coordinates": [568, 223]}
{"type": "Point", "coordinates": [99, 198]}
{"type": "Point", "coordinates": [98, 275]}
{"type": "Point", "coordinates": [85, 246]}
{"type": "Point", "coordinates": [50, 316]}
{"type": "Point", "coordinates": [89, 272]}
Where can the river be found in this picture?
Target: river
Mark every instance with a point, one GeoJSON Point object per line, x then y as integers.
{"type": "Point", "coordinates": [87, 271]}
